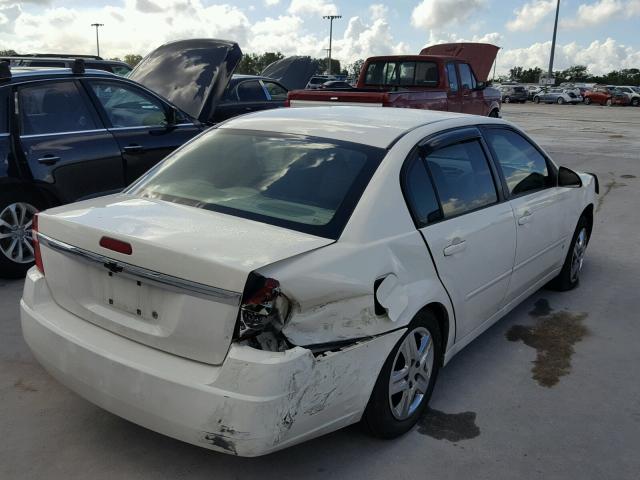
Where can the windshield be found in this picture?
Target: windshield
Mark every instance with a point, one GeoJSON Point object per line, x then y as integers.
{"type": "Point", "coordinates": [402, 73]}
{"type": "Point", "coordinates": [307, 184]}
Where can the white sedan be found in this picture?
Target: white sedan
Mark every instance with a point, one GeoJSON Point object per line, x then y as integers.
{"type": "Point", "coordinates": [295, 271]}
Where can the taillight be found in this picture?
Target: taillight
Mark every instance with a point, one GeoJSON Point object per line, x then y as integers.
{"type": "Point", "coordinates": [116, 245]}
{"type": "Point", "coordinates": [263, 307]}
{"type": "Point", "coordinates": [36, 244]}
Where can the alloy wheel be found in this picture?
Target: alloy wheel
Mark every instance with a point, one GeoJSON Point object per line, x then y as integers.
{"type": "Point", "coordinates": [577, 256]}
{"type": "Point", "coordinates": [410, 373]}
{"type": "Point", "coordinates": [15, 232]}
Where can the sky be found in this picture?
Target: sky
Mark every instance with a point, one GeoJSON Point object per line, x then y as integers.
{"type": "Point", "coordinates": [602, 34]}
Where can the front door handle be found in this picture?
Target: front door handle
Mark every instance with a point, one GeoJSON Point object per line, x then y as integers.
{"type": "Point", "coordinates": [49, 160]}
{"type": "Point", "coordinates": [525, 218]}
{"type": "Point", "coordinates": [133, 148]}
{"type": "Point", "coordinates": [456, 245]}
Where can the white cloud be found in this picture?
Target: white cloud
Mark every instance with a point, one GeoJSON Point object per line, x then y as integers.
{"type": "Point", "coordinates": [378, 10]}
{"type": "Point", "coordinates": [271, 3]}
{"type": "Point", "coordinates": [494, 38]}
{"type": "Point", "coordinates": [530, 14]}
{"type": "Point", "coordinates": [435, 14]}
{"type": "Point", "coordinates": [602, 11]}
{"type": "Point", "coordinates": [313, 7]}
{"type": "Point", "coordinates": [599, 56]}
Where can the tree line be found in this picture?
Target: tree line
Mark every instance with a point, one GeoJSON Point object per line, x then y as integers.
{"type": "Point", "coordinates": [575, 73]}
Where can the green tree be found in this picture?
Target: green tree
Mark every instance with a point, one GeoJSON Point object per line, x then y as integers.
{"type": "Point", "coordinates": [353, 69]}
{"type": "Point", "coordinates": [8, 53]}
{"type": "Point", "coordinates": [575, 73]}
{"type": "Point", "coordinates": [132, 59]}
{"type": "Point", "coordinates": [323, 64]}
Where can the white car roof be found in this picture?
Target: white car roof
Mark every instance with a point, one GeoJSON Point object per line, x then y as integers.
{"type": "Point", "coordinates": [375, 126]}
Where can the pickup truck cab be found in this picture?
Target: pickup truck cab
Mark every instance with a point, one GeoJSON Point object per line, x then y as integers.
{"type": "Point", "coordinates": [454, 82]}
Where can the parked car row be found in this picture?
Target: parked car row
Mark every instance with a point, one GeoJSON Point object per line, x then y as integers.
{"type": "Point", "coordinates": [569, 94]}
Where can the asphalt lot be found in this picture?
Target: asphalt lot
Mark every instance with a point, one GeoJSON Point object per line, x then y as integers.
{"type": "Point", "coordinates": [574, 413]}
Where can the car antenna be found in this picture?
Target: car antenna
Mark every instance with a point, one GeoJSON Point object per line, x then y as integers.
{"type": "Point", "coordinates": [78, 66]}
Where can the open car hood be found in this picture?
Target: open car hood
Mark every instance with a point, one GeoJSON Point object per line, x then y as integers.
{"type": "Point", "coordinates": [293, 72]}
{"type": "Point", "coordinates": [191, 74]}
{"type": "Point", "coordinates": [479, 55]}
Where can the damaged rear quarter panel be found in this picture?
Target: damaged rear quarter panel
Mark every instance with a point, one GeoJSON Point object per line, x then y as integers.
{"type": "Point", "coordinates": [332, 288]}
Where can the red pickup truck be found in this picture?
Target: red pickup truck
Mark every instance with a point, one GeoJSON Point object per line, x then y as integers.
{"type": "Point", "coordinates": [451, 77]}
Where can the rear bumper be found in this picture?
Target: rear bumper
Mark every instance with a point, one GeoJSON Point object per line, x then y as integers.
{"type": "Point", "coordinates": [254, 403]}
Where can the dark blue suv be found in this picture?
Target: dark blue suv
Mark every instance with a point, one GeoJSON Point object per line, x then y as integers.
{"type": "Point", "coordinates": [65, 136]}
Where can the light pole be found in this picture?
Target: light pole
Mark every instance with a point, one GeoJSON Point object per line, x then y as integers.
{"type": "Point", "coordinates": [97, 25]}
{"type": "Point", "coordinates": [331, 18]}
{"type": "Point", "coordinates": [553, 42]}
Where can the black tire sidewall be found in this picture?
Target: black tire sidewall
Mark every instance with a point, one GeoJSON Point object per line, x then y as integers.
{"type": "Point", "coordinates": [563, 281]}
{"type": "Point", "coordinates": [378, 417]}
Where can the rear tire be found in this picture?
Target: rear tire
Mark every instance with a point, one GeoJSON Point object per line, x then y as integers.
{"type": "Point", "coordinates": [16, 212]}
{"type": "Point", "coordinates": [536, 99]}
{"type": "Point", "coordinates": [635, 102]}
{"type": "Point", "coordinates": [507, 99]}
{"type": "Point", "coordinates": [609, 102]}
{"type": "Point", "coordinates": [416, 356]}
{"type": "Point", "coordinates": [494, 113]}
{"type": "Point", "coordinates": [587, 101]}
{"type": "Point", "coordinates": [560, 100]}
{"type": "Point", "coordinates": [569, 276]}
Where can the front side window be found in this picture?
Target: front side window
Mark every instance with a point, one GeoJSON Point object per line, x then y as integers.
{"type": "Point", "coordinates": [251, 91]}
{"type": "Point", "coordinates": [53, 107]}
{"type": "Point", "coordinates": [453, 77]}
{"type": "Point", "coordinates": [523, 166]}
{"type": "Point", "coordinates": [462, 178]}
{"type": "Point", "coordinates": [307, 184]}
{"type": "Point", "coordinates": [466, 77]}
{"type": "Point", "coordinates": [276, 92]}
{"type": "Point", "coordinates": [127, 106]}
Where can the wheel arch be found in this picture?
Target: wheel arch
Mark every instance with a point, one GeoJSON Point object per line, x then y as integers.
{"type": "Point", "coordinates": [47, 197]}
{"type": "Point", "coordinates": [440, 312]}
{"type": "Point", "coordinates": [587, 214]}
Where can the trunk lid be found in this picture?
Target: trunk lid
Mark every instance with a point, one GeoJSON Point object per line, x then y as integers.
{"type": "Point", "coordinates": [293, 72]}
{"type": "Point", "coordinates": [479, 55]}
{"type": "Point", "coordinates": [180, 288]}
{"type": "Point", "coordinates": [191, 74]}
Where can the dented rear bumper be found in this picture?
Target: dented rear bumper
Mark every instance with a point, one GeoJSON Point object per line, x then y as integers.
{"type": "Point", "coordinates": [256, 402]}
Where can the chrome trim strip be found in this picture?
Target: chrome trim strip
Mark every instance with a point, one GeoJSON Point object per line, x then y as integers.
{"type": "Point", "coordinates": [37, 135]}
{"type": "Point", "coordinates": [160, 279]}
{"type": "Point", "coordinates": [142, 127]}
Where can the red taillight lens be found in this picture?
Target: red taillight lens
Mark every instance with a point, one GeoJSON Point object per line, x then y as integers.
{"type": "Point", "coordinates": [263, 305]}
{"type": "Point", "coordinates": [116, 245]}
{"type": "Point", "coordinates": [36, 244]}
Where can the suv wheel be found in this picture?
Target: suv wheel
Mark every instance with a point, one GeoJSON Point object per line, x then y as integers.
{"type": "Point", "coordinates": [16, 216]}
{"type": "Point", "coordinates": [560, 100]}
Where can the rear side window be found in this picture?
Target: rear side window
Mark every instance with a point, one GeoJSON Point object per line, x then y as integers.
{"type": "Point", "coordinates": [466, 77]}
{"type": "Point", "coordinates": [523, 166]}
{"type": "Point", "coordinates": [53, 107]}
{"type": "Point", "coordinates": [462, 178]}
{"type": "Point", "coordinates": [420, 195]}
{"type": "Point", "coordinates": [251, 92]}
{"type": "Point", "coordinates": [453, 77]}
{"type": "Point", "coordinates": [402, 73]}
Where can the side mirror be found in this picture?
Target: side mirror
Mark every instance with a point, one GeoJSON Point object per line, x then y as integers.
{"type": "Point", "coordinates": [568, 178]}
{"type": "Point", "coordinates": [481, 85]}
{"type": "Point", "coordinates": [172, 117]}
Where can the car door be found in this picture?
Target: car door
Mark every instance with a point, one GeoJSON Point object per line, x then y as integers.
{"type": "Point", "coordinates": [469, 229]}
{"type": "Point", "coordinates": [64, 141]}
{"type": "Point", "coordinates": [276, 94]}
{"type": "Point", "coordinates": [453, 94]}
{"type": "Point", "coordinates": [539, 206]}
{"type": "Point", "coordinates": [472, 99]}
{"type": "Point", "coordinates": [139, 122]}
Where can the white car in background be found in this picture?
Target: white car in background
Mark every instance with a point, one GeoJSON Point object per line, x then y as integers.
{"type": "Point", "coordinates": [294, 271]}
{"type": "Point", "coordinates": [633, 93]}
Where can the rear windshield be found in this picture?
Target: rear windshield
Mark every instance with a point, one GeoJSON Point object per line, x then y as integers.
{"type": "Point", "coordinates": [402, 73]}
{"type": "Point", "coordinates": [307, 184]}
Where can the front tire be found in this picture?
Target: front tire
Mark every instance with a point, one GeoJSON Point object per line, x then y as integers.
{"type": "Point", "coordinates": [536, 99]}
{"type": "Point", "coordinates": [587, 101]}
{"type": "Point", "coordinates": [635, 102]}
{"type": "Point", "coordinates": [16, 214]}
{"type": "Point", "coordinates": [609, 102]}
{"type": "Point", "coordinates": [560, 100]}
{"type": "Point", "coordinates": [569, 276]}
{"type": "Point", "coordinates": [507, 100]}
{"type": "Point", "coordinates": [406, 381]}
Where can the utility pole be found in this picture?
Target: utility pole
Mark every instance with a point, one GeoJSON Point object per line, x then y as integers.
{"type": "Point", "coordinates": [553, 42]}
{"type": "Point", "coordinates": [331, 18]}
{"type": "Point", "coordinates": [97, 25]}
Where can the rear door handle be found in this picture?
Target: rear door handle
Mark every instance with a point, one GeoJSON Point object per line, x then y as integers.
{"type": "Point", "coordinates": [457, 245]}
{"type": "Point", "coordinates": [132, 148]}
{"type": "Point", "coordinates": [525, 218]}
{"type": "Point", "coordinates": [49, 160]}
